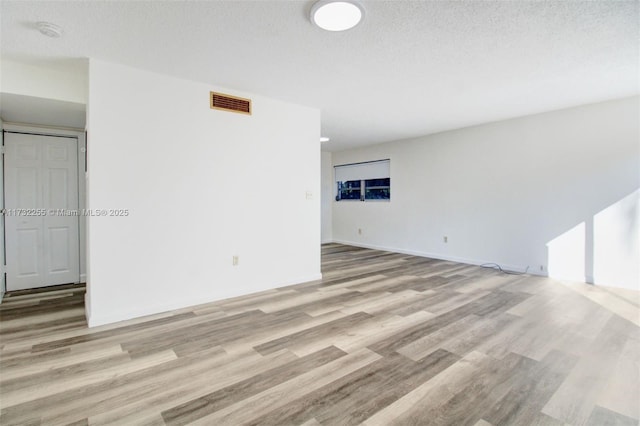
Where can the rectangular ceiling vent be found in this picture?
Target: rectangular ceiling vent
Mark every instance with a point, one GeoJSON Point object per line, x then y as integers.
{"type": "Point", "coordinates": [230, 103]}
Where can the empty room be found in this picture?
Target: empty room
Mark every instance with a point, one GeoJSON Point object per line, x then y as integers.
{"type": "Point", "coordinates": [320, 212]}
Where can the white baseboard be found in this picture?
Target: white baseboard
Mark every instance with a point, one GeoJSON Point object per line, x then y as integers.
{"type": "Point", "coordinates": [439, 256]}
{"type": "Point", "coordinates": [300, 280]}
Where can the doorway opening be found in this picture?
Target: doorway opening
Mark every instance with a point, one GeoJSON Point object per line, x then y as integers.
{"type": "Point", "coordinates": [43, 197]}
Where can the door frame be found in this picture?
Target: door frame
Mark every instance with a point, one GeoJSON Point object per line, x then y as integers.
{"type": "Point", "coordinates": [82, 192]}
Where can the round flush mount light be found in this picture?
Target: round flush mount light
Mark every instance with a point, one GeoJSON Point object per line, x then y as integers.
{"type": "Point", "coordinates": [49, 29]}
{"type": "Point", "coordinates": [337, 15]}
{"type": "Point", "coordinates": [324, 139]}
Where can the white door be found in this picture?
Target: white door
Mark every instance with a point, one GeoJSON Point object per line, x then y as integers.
{"type": "Point", "coordinates": [41, 205]}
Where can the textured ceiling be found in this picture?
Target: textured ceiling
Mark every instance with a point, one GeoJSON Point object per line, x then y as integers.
{"type": "Point", "coordinates": [410, 68]}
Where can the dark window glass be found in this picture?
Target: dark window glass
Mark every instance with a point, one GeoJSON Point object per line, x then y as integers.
{"type": "Point", "coordinates": [350, 184]}
{"type": "Point", "coordinates": [377, 194]}
{"type": "Point", "coordinates": [377, 189]}
{"type": "Point", "coordinates": [349, 190]}
{"type": "Point", "coordinates": [370, 183]}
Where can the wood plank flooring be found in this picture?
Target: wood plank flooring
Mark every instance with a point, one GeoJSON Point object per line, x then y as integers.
{"type": "Point", "coordinates": [383, 339]}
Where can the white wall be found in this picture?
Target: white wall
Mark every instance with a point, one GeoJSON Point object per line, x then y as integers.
{"type": "Point", "coordinates": [511, 192]}
{"type": "Point", "coordinates": [326, 197]}
{"type": "Point", "coordinates": [201, 186]}
{"type": "Point", "coordinates": [66, 82]}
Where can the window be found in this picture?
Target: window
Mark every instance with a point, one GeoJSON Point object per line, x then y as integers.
{"type": "Point", "coordinates": [368, 181]}
{"type": "Point", "coordinates": [350, 190]}
{"type": "Point", "coordinates": [377, 189]}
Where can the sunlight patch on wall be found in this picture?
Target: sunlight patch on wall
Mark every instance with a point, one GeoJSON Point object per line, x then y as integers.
{"type": "Point", "coordinates": [616, 237]}
{"type": "Point", "coordinates": [567, 255]}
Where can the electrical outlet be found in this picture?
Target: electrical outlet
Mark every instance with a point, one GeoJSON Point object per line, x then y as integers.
{"type": "Point", "coordinates": [235, 260]}
{"type": "Point", "coordinates": [359, 231]}
{"type": "Point", "coordinates": [542, 268]}
{"type": "Point", "coordinates": [446, 239]}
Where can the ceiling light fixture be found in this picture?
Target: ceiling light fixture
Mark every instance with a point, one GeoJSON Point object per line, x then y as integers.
{"type": "Point", "coordinates": [324, 139]}
{"type": "Point", "coordinates": [49, 29]}
{"type": "Point", "coordinates": [337, 15]}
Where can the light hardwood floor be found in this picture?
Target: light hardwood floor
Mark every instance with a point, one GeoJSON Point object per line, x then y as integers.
{"type": "Point", "coordinates": [383, 339]}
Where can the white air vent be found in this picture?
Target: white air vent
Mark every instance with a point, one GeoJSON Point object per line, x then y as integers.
{"type": "Point", "coordinates": [230, 103]}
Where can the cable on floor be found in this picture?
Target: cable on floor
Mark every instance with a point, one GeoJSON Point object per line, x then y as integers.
{"type": "Point", "coordinates": [499, 268]}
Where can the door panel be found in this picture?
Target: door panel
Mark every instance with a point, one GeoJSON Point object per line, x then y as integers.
{"type": "Point", "coordinates": [59, 241]}
{"type": "Point", "coordinates": [27, 187]}
{"type": "Point", "coordinates": [27, 152]}
{"type": "Point", "coordinates": [28, 252]}
{"type": "Point", "coordinates": [41, 173]}
{"type": "Point", "coordinates": [57, 153]}
{"type": "Point", "coordinates": [58, 188]}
